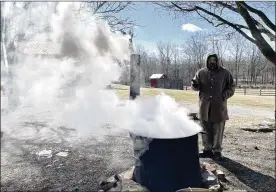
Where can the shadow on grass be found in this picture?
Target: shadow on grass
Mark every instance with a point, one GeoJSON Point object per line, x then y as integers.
{"type": "Point", "coordinates": [255, 180]}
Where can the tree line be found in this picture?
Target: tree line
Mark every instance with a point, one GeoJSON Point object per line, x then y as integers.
{"type": "Point", "coordinates": [244, 60]}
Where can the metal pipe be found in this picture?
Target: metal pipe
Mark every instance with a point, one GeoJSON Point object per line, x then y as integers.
{"type": "Point", "coordinates": [134, 90]}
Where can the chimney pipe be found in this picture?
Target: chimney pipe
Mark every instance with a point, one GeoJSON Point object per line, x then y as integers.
{"type": "Point", "coordinates": [134, 76]}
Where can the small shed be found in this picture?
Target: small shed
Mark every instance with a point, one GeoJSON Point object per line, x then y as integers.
{"type": "Point", "coordinates": [155, 78]}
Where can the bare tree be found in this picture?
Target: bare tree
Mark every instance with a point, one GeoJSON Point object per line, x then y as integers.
{"type": "Point", "coordinates": [176, 60]}
{"type": "Point", "coordinates": [196, 49]}
{"type": "Point", "coordinates": [149, 63]}
{"type": "Point", "coordinates": [108, 11]}
{"type": "Point", "coordinates": [254, 57]}
{"type": "Point", "coordinates": [186, 68]}
{"type": "Point", "coordinates": [165, 54]}
{"type": "Point", "coordinates": [218, 45]}
{"type": "Point", "coordinates": [237, 50]}
{"type": "Point", "coordinates": [216, 12]}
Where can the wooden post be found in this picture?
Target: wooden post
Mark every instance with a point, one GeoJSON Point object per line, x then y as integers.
{"type": "Point", "coordinates": [260, 91]}
{"type": "Point", "coordinates": [245, 91]}
{"type": "Point", "coordinates": [134, 76]}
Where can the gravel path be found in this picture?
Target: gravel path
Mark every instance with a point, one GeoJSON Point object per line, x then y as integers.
{"type": "Point", "coordinates": [250, 162]}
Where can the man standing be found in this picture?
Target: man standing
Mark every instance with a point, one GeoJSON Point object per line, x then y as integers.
{"type": "Point", "coordinates": [215, 85]}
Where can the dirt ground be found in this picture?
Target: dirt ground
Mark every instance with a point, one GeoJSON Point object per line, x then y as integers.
{"type": "Point", "coordinates": [249, 162]}
{"type": "Point", "coordinates": [249, 157]}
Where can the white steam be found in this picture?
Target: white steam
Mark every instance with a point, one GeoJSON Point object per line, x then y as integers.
{"type": "Point", "coordinates": [72, 89]}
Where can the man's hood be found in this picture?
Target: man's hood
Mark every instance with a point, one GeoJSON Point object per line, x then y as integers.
{"type": "Point", "coordinates": [212, 55]}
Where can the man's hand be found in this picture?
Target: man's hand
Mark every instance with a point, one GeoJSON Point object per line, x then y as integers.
{"type": "Point", "coordinates": [195, 84]}
{"type": "Point", "coordinates": [194, 81]}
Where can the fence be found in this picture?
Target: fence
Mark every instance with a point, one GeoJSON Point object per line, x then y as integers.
{"type": "Point", "coordinates": [260, 92]}
{"type": "Point", "coordinates": [249, 91]}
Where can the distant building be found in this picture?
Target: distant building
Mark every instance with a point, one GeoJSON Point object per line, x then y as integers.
{"type": "Point", "coordinates": [156, 80]}
{"type": "Point", "coordinates": [162, 81]}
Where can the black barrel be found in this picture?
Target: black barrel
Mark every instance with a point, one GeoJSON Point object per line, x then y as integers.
{"type": "Point", "coordinates": [168, 164]}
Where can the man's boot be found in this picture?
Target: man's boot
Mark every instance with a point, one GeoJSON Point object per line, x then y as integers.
{"type": "Point", "coordinates": [218, 156]}
{"type": "Point", "coordinates": [206, 154]}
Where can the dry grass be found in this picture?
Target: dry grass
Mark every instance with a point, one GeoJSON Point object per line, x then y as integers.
{"type": "Point", "coordinates": [191, 97]}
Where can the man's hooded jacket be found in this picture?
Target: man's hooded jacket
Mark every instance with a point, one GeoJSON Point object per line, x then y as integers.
{"type": "Point", "coordinates": [215, 87]}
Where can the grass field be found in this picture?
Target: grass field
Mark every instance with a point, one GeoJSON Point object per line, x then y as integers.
{"type": "Point", "coordinates": [191, 97]}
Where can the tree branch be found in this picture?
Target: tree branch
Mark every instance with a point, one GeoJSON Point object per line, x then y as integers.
{"type": "Point", "coordinates": [182, 9]}
{"type": "Point", "coordinates": [99, 5]}
{"type": "Point", "coordinates": [237, 27]}
{"type": "Point", "coordinates": [227, 22]}
{"type": "Point", "coordinates": [264, 47]}
{"type": "Point", "coordinates": [211, 22]}
{"type": "Point", "coordinates": [258, 24]}
{"type": "Point", "coordinates": [260, 14]}
{"type": "Point", "coordinates": [107, 11]}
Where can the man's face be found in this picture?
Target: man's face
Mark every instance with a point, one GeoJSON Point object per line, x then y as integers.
{"type": "Point", "coordinates": [212, 63]}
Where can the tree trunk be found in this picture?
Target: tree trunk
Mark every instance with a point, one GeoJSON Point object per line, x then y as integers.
{"type": "Point", "coordinates": [266, 76]}
{"type": "Point", "coordinates": [237, 72]}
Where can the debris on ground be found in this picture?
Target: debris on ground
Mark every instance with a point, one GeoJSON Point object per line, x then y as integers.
{"type": "Point", "coordinates": [122, 182]}
{"type": "Point", "coordinates": [60, 166]}
{"type": "Point", "coordinates": [265, 127]}
{"type": "Point", "coordinates": [127, 175]}
{"type": "Point", "coordinates": [62, 154]}
{"type": "Point", "coordinates": [44, 154]}
{"type": "Point", "coordinates": [128, 185]}
{"type": "Point", "coordinates": [205, 166]}
{"type": "Point", "coordinates": [221, 176]}
{"type": "Point", "coordinates": [256, 148]}
{"type": "Point", "coordinates": [264, 130]}
{"type": "Point", "coordinates": [211, 179]}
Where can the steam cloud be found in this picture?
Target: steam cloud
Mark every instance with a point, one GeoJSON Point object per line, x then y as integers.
{"type": "Point", "coordinates": [72, 89]}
